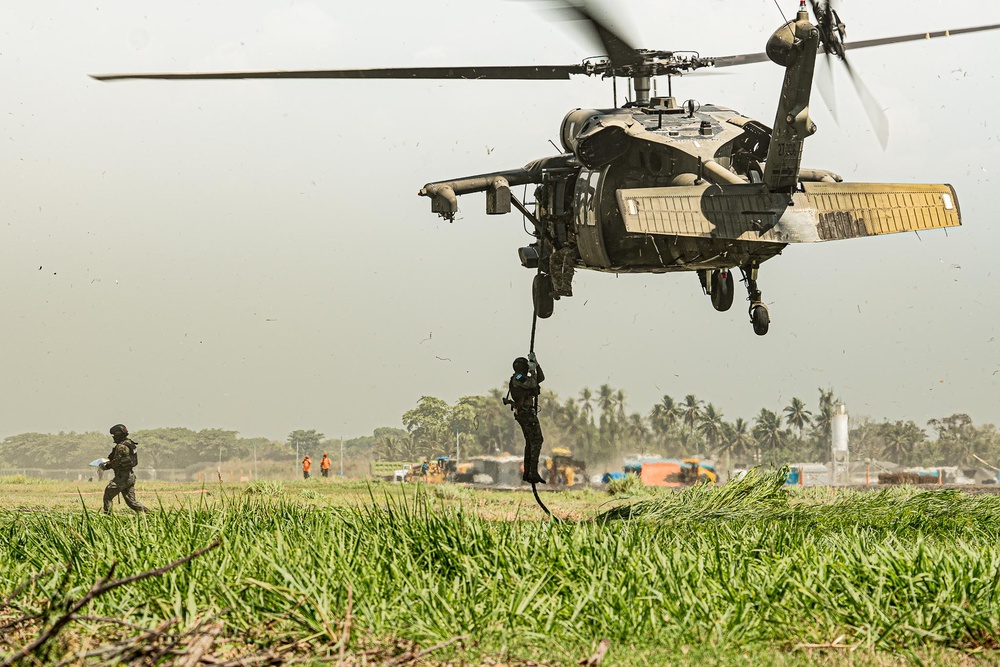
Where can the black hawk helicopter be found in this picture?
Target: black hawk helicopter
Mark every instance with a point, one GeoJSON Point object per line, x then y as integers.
{"type": "Point", "coordinates": [658, 187]}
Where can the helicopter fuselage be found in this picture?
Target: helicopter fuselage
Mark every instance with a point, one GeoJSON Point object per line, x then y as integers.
{"type": "Point", "coordinates": [608, 150]}
{"type": "Point", "coordinates": [659, 146]}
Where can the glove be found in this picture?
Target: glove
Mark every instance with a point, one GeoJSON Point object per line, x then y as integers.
{"type": "Point", "coordinates": [531, 358]}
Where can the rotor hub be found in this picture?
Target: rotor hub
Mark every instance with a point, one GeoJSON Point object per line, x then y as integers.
{"type": "Point", "coordinates": [649, 64]}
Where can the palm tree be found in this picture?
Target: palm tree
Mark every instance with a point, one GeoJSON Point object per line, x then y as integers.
{"type": "Point", "coordinates": [897, 445]}
{"type": "Point", "coordinates": [737, 440]}
{"type": "Point", "coordinates": [620, 405]}
{"type": "Point", "coordinates": [570, 413]}
{"type": "Point", "coordinates": [823, 421]}
{"type": "Point", "coordinates": [691, 409]}
{"type": "Point", "coordinates": [742, 439]}
{"type": "Point", "coordinates": [664, 418]}
{"type": "Point", "coordinates": [587, 404]}
{"type": "Point", "coordinates": [826, 398]}
{"type": "Point", "coordinates": [797, 416]}
{"type": "Point", "coordinates": [913, 436]}
{"type": "Point", "coordinates": [767, 431]}
{"type": "Point", "coordinates": [571, 423]}
{"type": "Point", "coordinates": [386, 448]}
{"type": "Point", "coordinates": [410, 449]}
{"type": "Point", "coordinates": [711, 426]}
{"type": "Point", "coordinates": [638, 431]}
{"type": "Point", "coordinates": [606, 403]}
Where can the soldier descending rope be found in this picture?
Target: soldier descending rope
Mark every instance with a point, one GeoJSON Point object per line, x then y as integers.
{"type": "Point", "coordinates": [523, 390]}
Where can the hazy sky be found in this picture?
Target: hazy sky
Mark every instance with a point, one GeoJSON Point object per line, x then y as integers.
{"type": "Point", "coordinates": [252, 255]}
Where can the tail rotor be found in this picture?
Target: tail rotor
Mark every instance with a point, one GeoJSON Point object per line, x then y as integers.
{"type": "Point", "coordinates": [832, 33]}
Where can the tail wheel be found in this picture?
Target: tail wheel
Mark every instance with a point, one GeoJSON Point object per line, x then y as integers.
{"type": "Point", "coordinates": [541, 295]}
{"type": "Point", "coordinates": [722, 290]}
{"type": "Point", "coordinates": [760, 318]}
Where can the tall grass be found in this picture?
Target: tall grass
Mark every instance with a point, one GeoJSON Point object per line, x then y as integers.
{"type": "Point", "coordinates": [750, 564]}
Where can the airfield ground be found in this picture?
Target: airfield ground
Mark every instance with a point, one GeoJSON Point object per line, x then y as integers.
{"type": "Point", "coordinates": [354, 573]}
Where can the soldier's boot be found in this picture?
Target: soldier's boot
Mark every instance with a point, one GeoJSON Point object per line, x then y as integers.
{"type": "Point", "coordinates": [562, 273]}
{"type": "Point", "coordinates": [109, 497]}
{"type": "Point", "coordinates": [568, 279]}
{"type": "Point", "coordinates": [531, 454]}
{"type": "Point", "coordinates": [565, 287]}
{"type": "Point", "coordinates": [560, 286]}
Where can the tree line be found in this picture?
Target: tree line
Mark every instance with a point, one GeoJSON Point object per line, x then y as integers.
{"type": "Point", "coordinates": [596, 425]}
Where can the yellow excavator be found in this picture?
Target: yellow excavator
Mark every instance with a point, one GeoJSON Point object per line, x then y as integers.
{"type": "Point", "coordinates": [563, 470]}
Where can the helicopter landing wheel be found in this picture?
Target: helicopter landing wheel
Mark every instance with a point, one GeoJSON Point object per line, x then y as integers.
{"type": "Point", "coordinates": [760, 318]}
{"type": "Point", "coordinates": [722, 290]}
{"type": "Point", "coordinates": [541, 295]}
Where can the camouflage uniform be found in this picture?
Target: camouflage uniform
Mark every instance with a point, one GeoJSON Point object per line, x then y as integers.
{"type": "Point", "coordinates": [120, 460]}
{"type": "Point", "coordinates": [524, 389]}
{"type": "Point", "coordinates": [562, 264]}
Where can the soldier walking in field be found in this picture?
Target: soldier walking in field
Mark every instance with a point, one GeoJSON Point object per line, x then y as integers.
{"type": "Point", "coordinates": [123, 460]}
{"type": "Point", "coordinates": [523, 390]}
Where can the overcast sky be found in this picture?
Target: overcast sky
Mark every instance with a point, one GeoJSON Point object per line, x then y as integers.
{"type": "Point", "coordinates": [252, 255]}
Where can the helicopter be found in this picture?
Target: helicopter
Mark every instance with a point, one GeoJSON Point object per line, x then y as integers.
{"type": "Point", "coordinates": [655, 186]}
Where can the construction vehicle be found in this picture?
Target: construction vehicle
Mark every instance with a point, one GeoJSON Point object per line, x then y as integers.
{"type": "Point", "coordinates": [563, 470]}
{"type": "Point", "coordinates": [440, 470]}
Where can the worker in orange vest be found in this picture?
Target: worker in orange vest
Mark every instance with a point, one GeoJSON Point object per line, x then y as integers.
{"type": "Point", "coordinates": [324, 465]}
{"type": "Point", "coordinates": [306, 465]}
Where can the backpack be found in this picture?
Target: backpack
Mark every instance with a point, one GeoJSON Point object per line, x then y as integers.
{"type": "Point", "coordinates": [133, 447]}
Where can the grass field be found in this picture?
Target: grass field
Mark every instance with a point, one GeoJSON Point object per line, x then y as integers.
{"type": "Point", "coordinates": [749, 573]}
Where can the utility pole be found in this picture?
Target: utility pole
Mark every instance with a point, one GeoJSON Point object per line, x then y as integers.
{"type": "Point", "coordinates": [341, 457]}
{"type": "Point", "coordinates": [457, 458]}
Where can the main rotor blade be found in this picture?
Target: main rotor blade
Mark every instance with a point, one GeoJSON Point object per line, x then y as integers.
{"type": "Point", "coordinates": [742, 59]}
{"type": "Point", "coordinates": [750, 58]}
{"type": "Point", "coordinates": [618, 50]}
{"type": "Point", "coordinates": [528, 72]}
{"type": "Point", "coordinates": [864, 44]}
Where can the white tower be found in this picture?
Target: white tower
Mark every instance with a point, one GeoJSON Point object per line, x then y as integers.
{"type": "Point", "coordinates": [839, 429]}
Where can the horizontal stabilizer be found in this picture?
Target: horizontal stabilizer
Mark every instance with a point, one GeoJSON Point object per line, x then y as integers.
{"type": "Point", "coordinates": [821, 212]}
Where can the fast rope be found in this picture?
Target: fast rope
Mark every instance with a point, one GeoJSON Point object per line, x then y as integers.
{"type": "Point", "coordinates": [531, 351]}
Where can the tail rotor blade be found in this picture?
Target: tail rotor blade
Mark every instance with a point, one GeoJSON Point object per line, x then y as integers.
{"type": "Point", "coordinates": [824, 83]}
{"type": "Point", "coordinates": [879, 121]}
